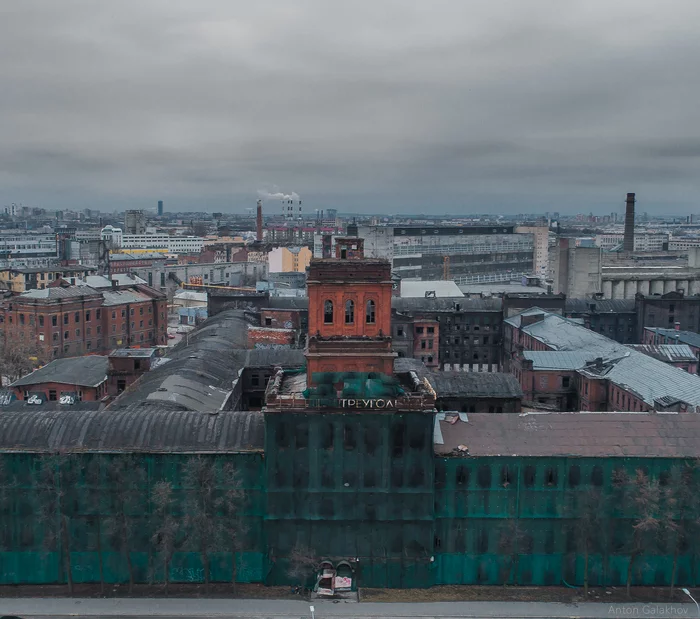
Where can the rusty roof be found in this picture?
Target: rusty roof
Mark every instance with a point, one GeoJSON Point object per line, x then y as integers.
{"type": "Point", "coordinates": [583, 434]}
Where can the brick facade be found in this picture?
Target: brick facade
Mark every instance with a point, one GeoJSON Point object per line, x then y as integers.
{"type": "Point", "coordinates": [81, 322]}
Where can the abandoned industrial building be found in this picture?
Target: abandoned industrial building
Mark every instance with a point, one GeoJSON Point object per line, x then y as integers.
{"type": "Point", "coordinates": [351, 457]}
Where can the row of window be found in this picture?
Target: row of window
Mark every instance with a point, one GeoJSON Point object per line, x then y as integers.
{"type": "Point", "coordinates": [329, 313]}
{"type": "Point", "coordinates": [77, 316]}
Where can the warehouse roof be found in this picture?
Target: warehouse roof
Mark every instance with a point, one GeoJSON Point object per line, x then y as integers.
{"type": "Point", "coordinates": [644, 376]}
{"type": "Point", "coordinates": [662, 435]}
{"type": "Point", "coordinates": [557, 360]}
{"type": "Point", "coordinates": [59, 292]}
{"type": "Point", "coordinates": [599, 306]}
{"type": "Point", "coordinates": [445, 304]}
{"type": "Point", "coordinates": [475, 385]}
{"type": "Point", "coordinates": [668, 353]}
{"type": "Point", "coordinates": [87, 371]}
{"type": "Point", "coordinates": [438, 288]}
{"type": "Point", "coordinates": [161, 430]}
{"type": "Point", "coordinates": [119, 297]}
{"type": "Point", "coordinates": [201, 370]}
{"type": "Point", "coordinates": [684, 337]}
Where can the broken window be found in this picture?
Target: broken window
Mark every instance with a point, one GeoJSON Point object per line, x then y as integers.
{"type": "Point", "coordinates": [348, 437]}
{"type": "Point", "coordinates": [328, 311]}
{"type": "Point", "coordinates": [551, 477]}
{"type": "Point", "coordinates": [574, 475]}
{"type": "Point", "coordinates": [529, 476]}
{"type": "Point", "coordinates": [349, 312]}
{"type": "Point", "coordinates": [327, 436]}
{"type": "Point", "coordinates": [484, 476]}
{"type": "Point", "coordinates": [371, 314]}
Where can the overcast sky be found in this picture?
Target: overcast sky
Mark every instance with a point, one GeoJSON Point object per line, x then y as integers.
{"type": "Point", "coordinates": [373, 106]}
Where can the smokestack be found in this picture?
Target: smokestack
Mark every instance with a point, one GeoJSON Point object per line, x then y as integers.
{"type": "Point", "coordinates": [259, 235]}
{"type": "Point", "coordinates": [628, 244]}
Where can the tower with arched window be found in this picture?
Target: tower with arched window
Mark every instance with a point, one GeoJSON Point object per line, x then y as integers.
{"type": "Point", "coordinates": [349, 313]}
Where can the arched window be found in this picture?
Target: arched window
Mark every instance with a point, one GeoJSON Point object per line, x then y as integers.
{"type": "Point", "coordinates": [328, 312]}
{"type": "Point", "coordinates": [371, 313]}
{"type": "Point", "coordinates": [349, 312]}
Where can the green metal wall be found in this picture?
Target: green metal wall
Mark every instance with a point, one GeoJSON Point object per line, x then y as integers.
{"type": "Point", "coordinates": [31, 539]}
{"type": "Point", "coordinates": [483, 504]}
{"type": "Point", "coordinates": [352, 486]}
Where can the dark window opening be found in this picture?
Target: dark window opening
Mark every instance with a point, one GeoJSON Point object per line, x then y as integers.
{"type": "Point", "coordinates": [268, 322]}
{"type": "Point", "coordinates": [551, 477]}
{"type": "Point", "coordinates": [371, 313]}
{"type": "Point", "coordinates": [664, 478]}
{"type": "Point", "coordinates": [349, 437]}
{"type": "Point", "coordinates": [327, 436]}
{"type": "Point", "coordinates": [505, 477]}
{"type": "Point", "coordinates": [462, 477]}
{"type": "Point", "coordinates": [484, 476]}
{"type": "Point", "coordinates": [52, 395]}
{"type": "Point", "coordinates": [397, 440]}
{"type": "Point", "coordinates": [349, 312]}
{"type": "Point", "coordinates": [282, 435]}
{"type": "Point", "coordinates": [574, 475]}
{"type": "Point", "coordinates": [302, 436]}
{"type": "Point", "coordinates": [328, 312]}
{"type": "Point", "coordinates": [529, 476]}
{"type": "Point", "coordinates": [565, 381]}
{"type": "Point", "coordinates": [371, 441]}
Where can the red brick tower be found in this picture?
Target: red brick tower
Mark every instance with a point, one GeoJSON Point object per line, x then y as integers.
{"type": "Point", "coordinates": [349, 312]}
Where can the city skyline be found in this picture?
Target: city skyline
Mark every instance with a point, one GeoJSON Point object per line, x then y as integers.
{"type": "Point", "coordinates": [370, 108]}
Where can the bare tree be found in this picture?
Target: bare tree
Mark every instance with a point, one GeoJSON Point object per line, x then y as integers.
{"type": "Point", "coordinates": [510, 542]}
{"type": "Point", "coordinates": [303, 563]}
{"type": "Point", "coordinates": [679, 516]}
{"type": "Point", "coordinates": [231, 528]}
{"type": "Point", "coordinates": [640, 495]}
{"type": "Point", "coordinates": [200, 508]}
{"type": "Point", "coordinates": [18, 357]}
{"type": "Point", "coordinates": [589, 513]}
{"type": "Point", "coordinates": [126, 477]}
{"type": "Point", "coordinates": [165, 526]}
{"type": "Point", "coordinates": [54, 480]}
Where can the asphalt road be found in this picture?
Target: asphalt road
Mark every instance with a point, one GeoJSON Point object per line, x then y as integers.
{"type": "Point", "coordinates": [136, 608]}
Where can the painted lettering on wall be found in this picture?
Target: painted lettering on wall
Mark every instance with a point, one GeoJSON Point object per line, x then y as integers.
{"type": "Point", "coordinates": [367, 404]}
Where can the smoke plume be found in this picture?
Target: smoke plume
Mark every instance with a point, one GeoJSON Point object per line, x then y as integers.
{"type": "Point", "coordinates": [278, 195]}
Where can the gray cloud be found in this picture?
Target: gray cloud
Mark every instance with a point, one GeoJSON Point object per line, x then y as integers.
{"type": "Point", "coordinates": [368, 106]}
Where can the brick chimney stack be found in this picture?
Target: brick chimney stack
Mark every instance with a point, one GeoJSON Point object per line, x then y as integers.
{"type": "Point", "coordinates": [259, 235]}
{"type": "Point", "coordinates": [628, 244]}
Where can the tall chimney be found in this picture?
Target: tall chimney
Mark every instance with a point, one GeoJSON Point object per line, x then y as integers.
{"type": "Point", "coordinates": [259, 235]}
{"type": "Point", "coordinates": [628, 244]}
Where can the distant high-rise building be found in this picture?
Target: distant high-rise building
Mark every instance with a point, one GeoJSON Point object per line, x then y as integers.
{"type": "Point", "coordinates": [160, 208]}
{"type": "Point", "coordinates": [134, 222]}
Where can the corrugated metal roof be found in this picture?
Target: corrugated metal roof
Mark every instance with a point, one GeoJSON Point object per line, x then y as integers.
{"type": "Point", "coordinates": [152, 430]}
{"type": "Point", "coordinates": [654, 435]}
{"type": "Point", "coordinates": [684, 337]}
{"type": "Point", "coordinates": [60, 292]}
{"type": "Point", "coordinates": [202, 367]}
{"type": "Point", "coordinates": [475, 385]}
{"type": "Point", "coordinates": [668, 353]}
{"type": "Point", "coordinates": [87, 371]}
{"type": "Point", "coordinates": [599, 306]}
{"type": "Point", "coordinates": [118, 297]}
{"type": "Point", "coordinates": [445, 304]}
{"type": "Point", "coordinates": [557, 360]}
{"type": "Point", "coordinates": [645, 376]}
